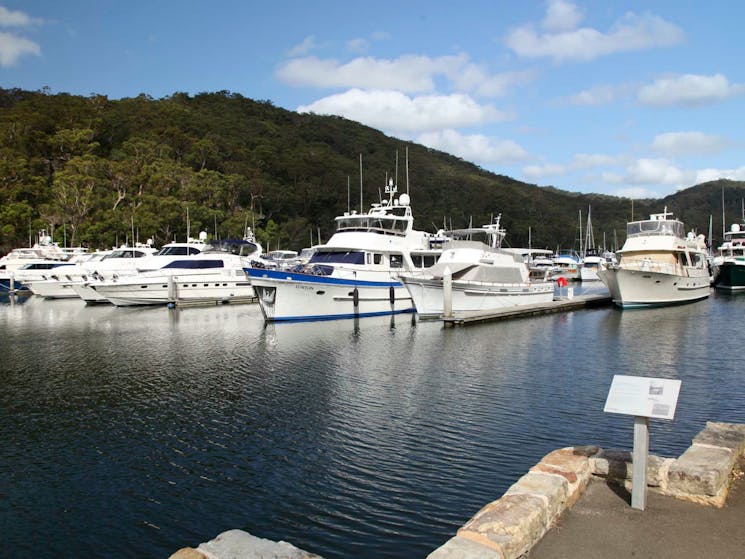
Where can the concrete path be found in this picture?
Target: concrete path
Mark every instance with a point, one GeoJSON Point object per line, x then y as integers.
{"type": "Point", "coordinates": [603, 525]}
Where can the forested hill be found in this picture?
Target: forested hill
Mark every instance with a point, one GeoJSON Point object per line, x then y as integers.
{"type": "Point", "coordinates": [93, 170]}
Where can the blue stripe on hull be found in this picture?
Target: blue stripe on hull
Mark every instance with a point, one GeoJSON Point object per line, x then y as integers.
{"type": "Point", "coordinates": [261, 273]}
{"type": "Point", "coordinates": [338, 316]}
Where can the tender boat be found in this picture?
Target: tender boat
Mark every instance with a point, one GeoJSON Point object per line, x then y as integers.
{"type": "Point", "coordinates": [214, 275]}
{"type": "Point", "coordinates": [658, 265]}
{"type": "Point", "coordinates": [728, 267]}
{"type": "Point", "coordinates": [483, 276]}
{"type": "Point", "coordinates": [354, 274]}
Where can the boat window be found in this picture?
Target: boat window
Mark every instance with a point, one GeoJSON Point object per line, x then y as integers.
{"type": "Point", "coordinates": [423, 260]}
{"type": "Point", "coordinates": [195, 264]}
{"type": "Point", "coordinates": [396, 260]}
{"type": "Point", "coordinates": [340, 257]}
{"type": "Point", "coordinates": [377, 258]}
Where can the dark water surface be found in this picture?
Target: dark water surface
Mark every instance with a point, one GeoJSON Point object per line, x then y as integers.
{"type": "Point", "coordinates": [134, 432]}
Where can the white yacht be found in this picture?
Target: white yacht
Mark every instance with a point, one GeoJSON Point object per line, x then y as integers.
{"type": "Point", "coordinates": [70, 282]}
{"type": "Point", "coordinates": [483, 276]}
{"type": "Point", "coordinates": [126, 262]}
{"type": "Point", "coordinates": [354, 274]}
{"type": "Point", "coordinates": [658, 265]}
{"type": "Point", "coordinates": [728, 266]}
{"type": "Point", "coordinates": [214, 274]}
{"type": "Point", "coordinates": [44, 254]}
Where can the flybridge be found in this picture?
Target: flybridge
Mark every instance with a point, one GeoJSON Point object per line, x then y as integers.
{"type": "Point", "coordinates": [392, 216]}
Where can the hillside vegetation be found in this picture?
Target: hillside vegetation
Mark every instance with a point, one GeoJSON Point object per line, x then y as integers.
{"type": "Point", "coordinates": [97, 172]}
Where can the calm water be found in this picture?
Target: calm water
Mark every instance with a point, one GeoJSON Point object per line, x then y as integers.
{"type": "Point", "coordinates": [134, 432]}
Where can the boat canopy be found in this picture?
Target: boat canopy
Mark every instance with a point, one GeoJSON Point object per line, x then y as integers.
{"type": "Point", "coordinates": [656, 227]}
{"type": "Point", "coordinates": [385, 224]}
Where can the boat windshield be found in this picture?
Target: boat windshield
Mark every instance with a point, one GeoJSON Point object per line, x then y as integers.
{"type": "Point", "coordinates": [655, 227]}
{"type": "Point", "coordinates": [386, 224]}
{"type": "Point", "coordinates": [195, 264]}
{"type": "Point", "coordinates": [232, 246]}
{"type": "Point", "coordinates": [340, 257]}
{"type": "Point", "coordinates": [177, 251]}
{"type": "Point", "coordinates": [124, 253]}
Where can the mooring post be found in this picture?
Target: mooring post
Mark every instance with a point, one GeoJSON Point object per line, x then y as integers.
{"type": "Point", "coordinates": [447, 293]}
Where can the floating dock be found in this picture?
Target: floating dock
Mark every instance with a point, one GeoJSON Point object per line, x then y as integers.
{"type": "Point", "coordinates": [560, 304]}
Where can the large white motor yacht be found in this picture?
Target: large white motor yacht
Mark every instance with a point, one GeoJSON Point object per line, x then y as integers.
{"type": "Point", "coordinates": [355, 274]}
{"type": "Point", "coordinates": [482, 275]}
{"type": "Point", "coordinates": [213, 275]}
{"type": "Point", "coordinates": [658, 265]}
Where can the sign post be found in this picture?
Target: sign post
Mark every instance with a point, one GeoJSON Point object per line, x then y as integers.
{"type": "Point", "coordinates": [642, 397]}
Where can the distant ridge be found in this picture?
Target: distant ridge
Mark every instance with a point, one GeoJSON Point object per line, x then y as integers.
{"type": "Point", "coordinates": [95, 169]}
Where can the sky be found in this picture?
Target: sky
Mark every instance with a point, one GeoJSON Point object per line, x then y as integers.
{"type": "Point", "coordinates": [635, 99]}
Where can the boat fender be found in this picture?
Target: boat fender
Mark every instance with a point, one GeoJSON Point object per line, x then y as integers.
{"type": "Point", "coordinates": [356, 298]}
{"type": "Point", "coordinates": [392, 294]}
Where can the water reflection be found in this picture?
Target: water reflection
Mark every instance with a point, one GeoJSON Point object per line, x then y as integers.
{"type": "Point", "coordinates": [138, 431]}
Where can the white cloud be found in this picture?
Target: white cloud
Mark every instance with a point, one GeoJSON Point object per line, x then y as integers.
{"type": "Point", "coordinates": [688, 143]}
{"type": "Point", "coordinates": [12, 47]}
{"type": "Point", "coordinates": [308, 44]}
{"type": "Point", "coordinates": [407, 73]}
{"type": "Point", "coordinates": [476, 147]}
{"type": "Point", "coordinates": [561, 16]}
{"type": "Point", "coordinates": [472, 77]}
{"type": "Point", "coordinates": [654, 171]}
{"type": "Point", "coordinates": [689, 90]}
{"type": "Point", "coordinates": [599, 95]}
{"type": "Point", "coordinates": [561, 40]}
{"type": "Point", "coordinates": [394, 111]}
{"type": "Point", "coordinates": [706, 175]}
{"type": "Point", "coordinates": [9, 18]}
{"type": "Point", "coordinates": [580, 162]}
{"type": "Point", "coordinates": [358, 45]}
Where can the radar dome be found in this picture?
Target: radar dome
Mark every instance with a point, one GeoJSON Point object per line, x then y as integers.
{"type": "Point", "coordinates": [404, 199]}
{"type": "Point", "coordinates": [735, 228]}
{"type": "Point", "coordinates": [203, 235]}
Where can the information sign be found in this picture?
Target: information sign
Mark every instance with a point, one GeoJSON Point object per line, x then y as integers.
{"type": "Point", "coordinates": [643, 396]}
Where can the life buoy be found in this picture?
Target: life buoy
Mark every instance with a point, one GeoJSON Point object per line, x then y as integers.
{"type": "Point", "coordinates": [561, 281]}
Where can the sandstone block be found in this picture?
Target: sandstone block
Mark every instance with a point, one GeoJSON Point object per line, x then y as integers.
{"type": "Point", "coordinates": [724, 435]}
{"type": "Point", "coordinates": [701, 470]}
{"type": "Point", "coordinates": [237, 543]}
{"type": "Point", "coordinates": [618, 465]}
{"type": "Point", "coordinates": [188, 553]}
{"type": "Point", "coordinates": [573, 463]}
{"type": "Point", "coordinates": [462, 548]}
{"type": "Point", "coordinates": [552, 489]}
{"type": "Point", "coordinates": [511, 525]}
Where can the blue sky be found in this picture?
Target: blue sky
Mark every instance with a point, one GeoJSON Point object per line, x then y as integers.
{"type": "Point", "coordinates": [637, 98]}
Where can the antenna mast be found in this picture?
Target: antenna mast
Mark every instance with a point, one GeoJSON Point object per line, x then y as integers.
{"type": "Point", "coordinates": [360, 183]}
{"type": "Point", "coordinates": [407, 169]}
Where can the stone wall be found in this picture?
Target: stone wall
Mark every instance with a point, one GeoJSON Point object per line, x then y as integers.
{"type": "Point", "coordinates": [510, 526]}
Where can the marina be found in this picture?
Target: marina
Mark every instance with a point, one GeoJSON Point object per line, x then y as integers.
{"type": "Point", "coordinates": [375, 437]}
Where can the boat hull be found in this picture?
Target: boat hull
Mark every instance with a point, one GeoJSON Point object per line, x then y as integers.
{"type": "Point", "coordinates": [428, 295]}
{"type": "Point", "coordinates": [52, 289]}
{"type": "Point", "coordinates": [289, 296]}
{"type": "Point", "coordinates": [182, 289]}
{"type": "Point", "coordinates": [635, 288]}
{"type": "Point", "coordinates": [730, 276]}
